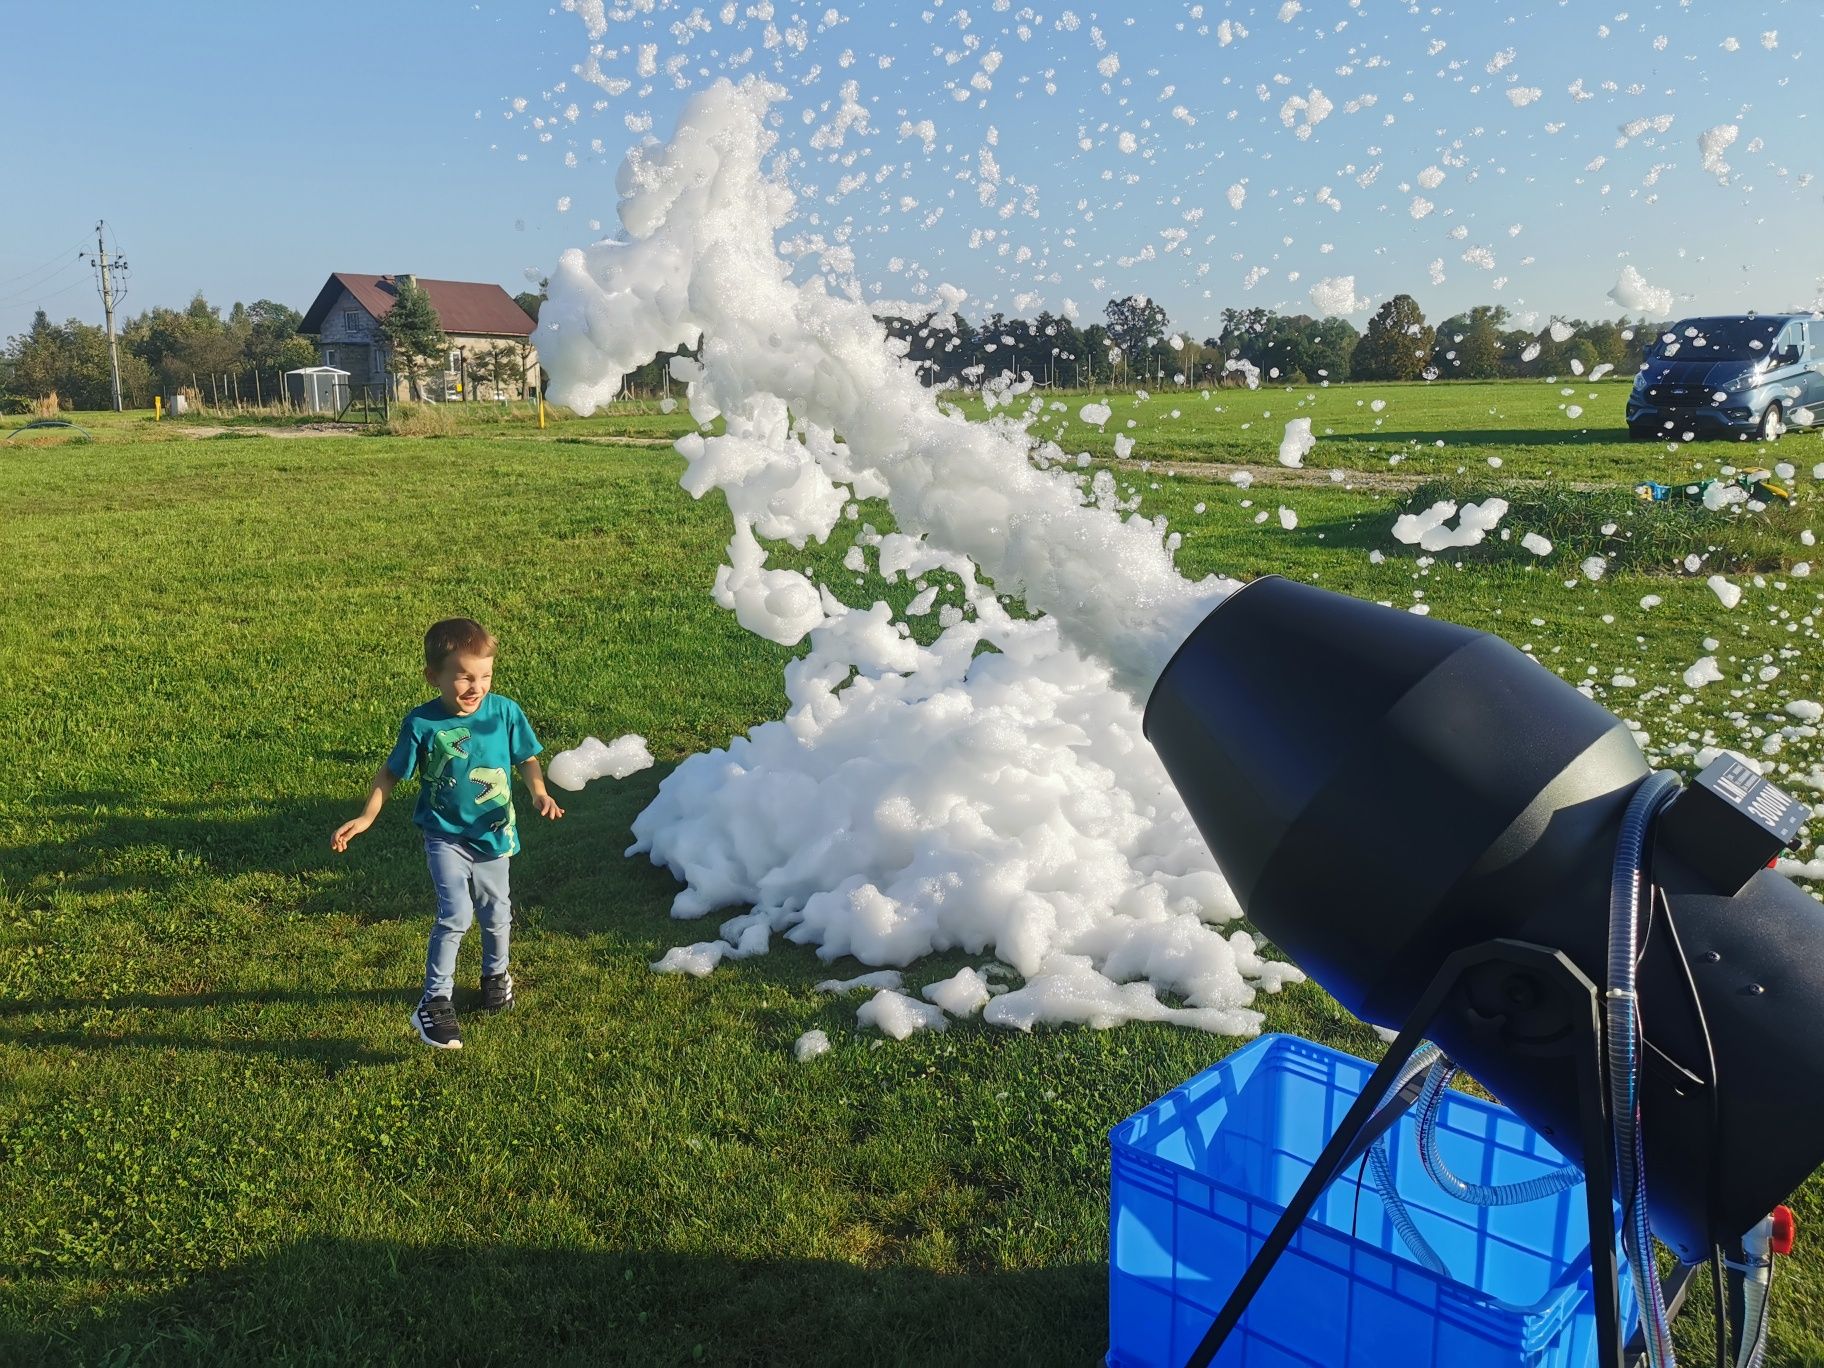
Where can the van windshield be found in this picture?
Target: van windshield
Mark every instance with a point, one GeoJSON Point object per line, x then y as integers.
{"type": "Point", "coordinates": [1719, 339]}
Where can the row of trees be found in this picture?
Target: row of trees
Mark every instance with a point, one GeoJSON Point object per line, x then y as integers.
{"type": "Point", "coordinates": [1135, 345]}
{"type": "Point", "coordinates": [165, 349]}
{"type": "Point", "coordinates": [160, 350]}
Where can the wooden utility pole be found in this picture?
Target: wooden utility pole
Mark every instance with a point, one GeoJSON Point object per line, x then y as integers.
{"type": "Point", "coordinates": [100, 260]}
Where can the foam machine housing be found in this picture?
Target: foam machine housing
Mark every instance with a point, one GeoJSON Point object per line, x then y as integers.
{"type": "Point", "coordinates": [1382, 790]}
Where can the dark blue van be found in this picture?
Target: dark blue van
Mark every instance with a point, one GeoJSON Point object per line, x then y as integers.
{"type": "Point", "coordinates": [1747, 375]}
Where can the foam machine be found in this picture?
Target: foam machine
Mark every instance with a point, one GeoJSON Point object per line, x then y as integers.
{"type": "Point", "coordinates": [1457, 844]}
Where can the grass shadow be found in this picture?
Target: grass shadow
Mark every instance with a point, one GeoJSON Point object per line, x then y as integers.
{"type": "Point", "coordinates": [328, 1300]}
{"type": "Point", "coordinates": [108, 842]}
{"type": "Point", "coordinates": [119, 1022]}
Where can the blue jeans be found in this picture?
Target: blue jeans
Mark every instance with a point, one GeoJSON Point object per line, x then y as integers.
{"type": "Point", "coordinates": [466, 885]}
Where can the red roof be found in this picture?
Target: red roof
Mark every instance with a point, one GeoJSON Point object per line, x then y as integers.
{"type": "Point", "coordinates": [462, 306]}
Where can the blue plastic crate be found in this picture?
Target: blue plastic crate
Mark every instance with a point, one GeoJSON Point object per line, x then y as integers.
{"type": "Point", "coordinates": [1200, 1176]}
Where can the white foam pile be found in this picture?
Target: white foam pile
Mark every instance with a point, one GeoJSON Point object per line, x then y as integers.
{"type": "Point", "coordinates": [595, 759]}
{"type": "Point", "coordinates": [915, 798]}
{"type": "Point", "coordinates": [1474, 522]}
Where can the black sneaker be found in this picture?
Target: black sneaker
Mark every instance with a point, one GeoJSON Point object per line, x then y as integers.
{"type": "Point", "coordinates": [496, 992]}
{"type": "Point", "coordinates": [435, 1021]}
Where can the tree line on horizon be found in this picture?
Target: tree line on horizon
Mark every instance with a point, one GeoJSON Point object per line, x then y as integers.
{"type": "Point", "coordinates": [1135, 346]}
{"type": "Point", "coordinates": [163, 349]}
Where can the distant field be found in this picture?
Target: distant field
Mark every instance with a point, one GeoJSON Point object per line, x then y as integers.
{"type": "Point", "coordinates": [218, 1142]}
{"type": "Point", "coordinates": [1571, 429]}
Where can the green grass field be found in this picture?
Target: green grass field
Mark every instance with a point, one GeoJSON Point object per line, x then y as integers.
{"type": "Point", "coordinates": [219, 1142]}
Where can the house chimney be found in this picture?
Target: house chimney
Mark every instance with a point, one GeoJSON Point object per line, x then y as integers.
{"type": "Point", "coordinates": [405, 280]}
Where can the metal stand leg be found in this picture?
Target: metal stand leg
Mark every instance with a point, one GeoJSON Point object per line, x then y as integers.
{"type": "Point", "coordinates": [1355, 1134]}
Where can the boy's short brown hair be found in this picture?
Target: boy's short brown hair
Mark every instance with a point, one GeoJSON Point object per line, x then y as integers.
{"type": "Point", "coordinates": [456, 635]}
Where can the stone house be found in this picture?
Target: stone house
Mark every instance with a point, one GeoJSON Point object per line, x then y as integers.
{"type": "Point", "coordinates": [491, 354]}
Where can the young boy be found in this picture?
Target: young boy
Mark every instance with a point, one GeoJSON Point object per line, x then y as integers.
{"type": "Point", "coordinates": [461, 745]}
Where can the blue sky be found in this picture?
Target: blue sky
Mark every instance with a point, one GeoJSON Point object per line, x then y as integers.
{"type": "Point", "coordinates": [247, 151]}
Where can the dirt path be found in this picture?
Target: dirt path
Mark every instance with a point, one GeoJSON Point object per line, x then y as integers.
{"type": "Point", "coordinates": [1383, 481]}
{"type": "Point", "coordinates": [199, 430]}
{"type": "Point", "coordinates": [1393, 482]}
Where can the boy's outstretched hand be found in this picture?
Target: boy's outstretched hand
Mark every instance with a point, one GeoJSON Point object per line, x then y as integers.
{"type": "Point", "coordinates": [546, 806]}
{"type": "Point", "coordinates": [348, 831]}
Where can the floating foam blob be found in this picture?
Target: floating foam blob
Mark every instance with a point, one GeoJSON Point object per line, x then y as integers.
{"type": "Point", "coordinates": [1729, 594]}
{"type": "Point", "coordinates": [914, 799]}
{"type": "Point", "coordinates": [1538, 545]}
{"type": "Point", "coordinates": [1712, 143]}
{"type": "Point", "coordinates": [1633, 293]}
{"type": "Point", "coordinates": [1296, 443]}
{"type": "Point", "coordinates": [616, 759]}
{"type": "Point", "coordinates": [1335, 295]}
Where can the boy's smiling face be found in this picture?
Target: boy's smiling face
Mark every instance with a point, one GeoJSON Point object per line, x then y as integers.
{"type": "Point", "coordinates": [463, 680]}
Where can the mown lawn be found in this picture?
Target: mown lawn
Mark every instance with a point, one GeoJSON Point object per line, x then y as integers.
{"type": "Point", "coordinates": [218, 1141]}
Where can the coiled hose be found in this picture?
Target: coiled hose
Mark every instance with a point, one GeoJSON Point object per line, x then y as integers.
{"type": "Point", "coordinates": [1476, 1194]}
{"type": "Point", "coordinates": [1439, 1071]}
{"type": "Point", "coordinates": [1622, 1011]}
{"type": "Point", "coordinates": [1380, 1168]}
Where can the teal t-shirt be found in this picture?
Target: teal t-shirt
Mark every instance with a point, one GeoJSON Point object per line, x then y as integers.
{"type": "Point", "coordinates": [465, 770]}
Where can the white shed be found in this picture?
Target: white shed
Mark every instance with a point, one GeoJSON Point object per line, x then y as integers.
{"type": "Point", "coordinates": [317, 389]}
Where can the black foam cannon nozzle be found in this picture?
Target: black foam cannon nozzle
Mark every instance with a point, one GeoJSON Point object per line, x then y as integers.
{"type": "Point", "coordinates": [1382, 789]}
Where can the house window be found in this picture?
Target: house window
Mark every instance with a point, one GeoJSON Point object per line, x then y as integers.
{"type": "Point", "coordinates": [329, 356]}
{"type": "Point", "coordinates": [351, 321]}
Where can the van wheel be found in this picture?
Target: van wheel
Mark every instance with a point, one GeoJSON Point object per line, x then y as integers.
{"type": "Point", "coordinates": [1773, 423]}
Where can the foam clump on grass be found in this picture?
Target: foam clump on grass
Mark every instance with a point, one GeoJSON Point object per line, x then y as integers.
{"type": "Point", "coordinates": [595, 759]}
{"type": "Point", "coordinates": [1703, 671]}
{"type": "Point", "coordinates": [1428, 530]}
{"type": "Point", "coordinates": [809, 1045]}
{"type": "Point", "coordinates": [895, 1014]}
{"type": "Point", "coordinates": [880, 978]}
{"type": "Point", "coordinates": [962, 994]}
{"type": "Point", "coordinates": [988, 792]}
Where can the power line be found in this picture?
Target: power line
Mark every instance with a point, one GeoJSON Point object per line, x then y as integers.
{"type": "Point", "coordinates": [18, 292]}
{"type": "Point", "coordinates": [39, 299]}
{"type": "Point", "coordinates": [64, 257]}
